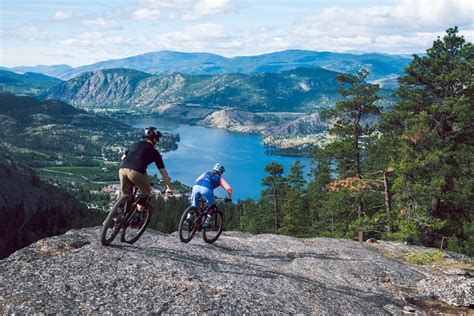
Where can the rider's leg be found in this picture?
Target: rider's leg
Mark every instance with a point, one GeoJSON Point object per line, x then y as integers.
{"type": "Point", "coordinates": [209, 196]}
{"type": "Point", "coordinates": [143, 183]}
{"type": "Point", "coordinates": [195, 195]}
{"type": "Point", "coordinates": [126, 186]}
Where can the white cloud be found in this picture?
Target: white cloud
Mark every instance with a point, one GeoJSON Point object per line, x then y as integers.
{"type": "Point", "coordinates": [96, 40]}
{"type": "Point", "coordinates": [432, 13]}
{"type": "Point", "coordinates": [405, 27]}
{"type": "Point", "coordinates": [102, 24]}
{"type": "Point", "coordinates": [164, 4]}
{"type": "Point", "coordinates": [33, 33]}
{"type": "Point", "coordinates": [198, 32]}
{"type": "Point", "coordinates": [205, 8]}
{"type": "Point", "coordinates": [145, 14]}
{"type": "Point", "coordinates": [62, 15]}
{"type": "Point", "coordinates": [188, 9]}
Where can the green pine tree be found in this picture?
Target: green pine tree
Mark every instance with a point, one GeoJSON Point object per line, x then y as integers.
{"type": "Point", "coordinates": [359, 104]}
{"type": "Point", "coordinates": [296, 220]}
{"type": "Point", "coordinates": [275, 192]}
{"type": "Point", "coordinates": [434, 123]}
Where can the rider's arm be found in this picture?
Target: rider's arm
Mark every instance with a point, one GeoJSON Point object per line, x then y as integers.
{"type": "Point", "coordinates": [161, 166]}
{"type": "Point", "coordinates": [125, 154]}
{"type": "Point", "coordinates": [166, 178]}
{"type": "Point", "coordinates": [200, 177]}
{"type": "Point", "coordinates": [226, 186]}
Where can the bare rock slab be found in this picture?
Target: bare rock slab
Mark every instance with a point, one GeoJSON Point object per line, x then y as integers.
{"type": "Point", "coordinates": [240, 273]}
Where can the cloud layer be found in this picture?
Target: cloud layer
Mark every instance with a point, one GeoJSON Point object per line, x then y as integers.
{"type": "Point", "coordinates": [228, 27]}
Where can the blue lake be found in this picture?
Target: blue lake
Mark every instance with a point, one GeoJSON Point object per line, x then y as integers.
{"type": "Point", "coordinates": [243, 156]}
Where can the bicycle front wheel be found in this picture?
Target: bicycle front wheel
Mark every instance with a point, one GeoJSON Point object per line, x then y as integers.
{"type": "Point", "coordinates": [211, 233]}
{"type": "Point", "coordinates": [188, 224]}
{"type": "Point", "coordinates": [131, 233]}
{"type": "Point", "coordinates": [113, 222]}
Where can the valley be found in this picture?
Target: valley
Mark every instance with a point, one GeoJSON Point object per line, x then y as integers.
{"type": "Point", "coordinates": [278, 96]}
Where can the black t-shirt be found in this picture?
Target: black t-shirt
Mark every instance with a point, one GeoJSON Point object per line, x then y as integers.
{"type": "Point", "coordinates": [139, 155]}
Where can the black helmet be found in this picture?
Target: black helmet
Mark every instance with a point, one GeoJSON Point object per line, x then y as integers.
{"type": "Point", "coordinates": [151, 133]}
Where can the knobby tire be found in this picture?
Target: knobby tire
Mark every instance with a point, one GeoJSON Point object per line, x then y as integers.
{"type": "Point", "coordinates": [131, 240]}
{"type": "Point", "coordinates": [114, 219]}
{"type": "Point", "coordinates": [205, 236]}
{"type": "Point", "coordinates": [184, 227]}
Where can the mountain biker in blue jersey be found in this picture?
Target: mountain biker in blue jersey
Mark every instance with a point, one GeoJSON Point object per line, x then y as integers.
{"type": "Point", "coordinates": [205, 185]}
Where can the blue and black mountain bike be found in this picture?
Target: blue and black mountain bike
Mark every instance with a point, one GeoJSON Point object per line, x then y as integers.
{"type": "Point", "coordinates": [209, 221]}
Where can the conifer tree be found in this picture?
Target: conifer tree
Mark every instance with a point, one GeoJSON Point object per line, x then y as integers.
{"type": "Point", "coordinates": [296, 219]}
{"type": "Point", "coordinates": [275, 192]}
{"type": "Point", "coordinates": [349, 126]}
{"type": "Point", "coordinates": [434, 123]}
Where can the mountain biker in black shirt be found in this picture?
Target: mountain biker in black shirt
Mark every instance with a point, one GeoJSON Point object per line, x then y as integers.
{"type": "Point", "coordinates": [135, 162]}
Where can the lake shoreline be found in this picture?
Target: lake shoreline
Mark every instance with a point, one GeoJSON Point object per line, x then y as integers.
{"type": "Point", "coordinates": [275, 145]}
{"type": "Point", "coordinates": [243, 155]}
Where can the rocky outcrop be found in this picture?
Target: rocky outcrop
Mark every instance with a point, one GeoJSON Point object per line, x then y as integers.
{"type": "Point", "coordinates": [238, 120]}
{"type": "Point", "coordinates": [240, 273]}
{"type": "Point", "coordinates": [266, 124]}
{"type": "Point", "coordinates": [445, 281]}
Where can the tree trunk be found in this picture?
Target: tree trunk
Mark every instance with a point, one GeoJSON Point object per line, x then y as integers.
{"type": "Point", "coordinates": [388, 201]}
{"type": "Point", "coordinates": [276, 219]}
{"type": "Point", "coordinates": [358, 169]}
{"type": "Point", "coordinates": [358, 172]}
{"type": "Point", "coordinates": [360, 212]}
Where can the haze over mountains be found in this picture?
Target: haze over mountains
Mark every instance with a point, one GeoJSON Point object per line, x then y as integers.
{"type": "Point", "coordinates": [166, 62]}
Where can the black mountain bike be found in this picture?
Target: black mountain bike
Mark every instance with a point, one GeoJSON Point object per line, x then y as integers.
{"type": "Point", "coordinates": [123, 216]}
{"type": "Point", "coordinates": [194, 219]}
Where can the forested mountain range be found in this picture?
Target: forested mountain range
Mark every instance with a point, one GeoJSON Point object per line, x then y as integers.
{"type": "Point", "coordinates": [29, 83]}
{"type": "Point", "coordinates": [301, 89]}
{"type": "Point", "coordinates": [166, 62]}
{"type": "Point", "coordinates": [54, 126]}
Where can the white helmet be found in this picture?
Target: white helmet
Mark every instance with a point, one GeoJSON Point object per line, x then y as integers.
{"type": "Point", "coordinates": [219, 168]}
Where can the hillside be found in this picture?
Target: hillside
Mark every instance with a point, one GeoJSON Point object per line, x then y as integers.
{"type": "Point", "coordinates": [58, 129]}
{"type": "Point", "coordinates": [240, 273]}
{"type": "Point", "coordinates": [300, 89]}
{"type": "Point", "coordinates": [167, 62]}
{"type": "Point", "coordinates": [30, 83]}
{"type": "Point", "coordinates": [31, 209]}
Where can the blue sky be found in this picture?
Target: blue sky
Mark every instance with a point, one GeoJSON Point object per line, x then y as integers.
{"type": "Point", "coordinates": [79, 32]}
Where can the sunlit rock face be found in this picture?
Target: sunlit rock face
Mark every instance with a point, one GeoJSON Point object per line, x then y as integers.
{"type": "Point", "coordinates": [240, 273]}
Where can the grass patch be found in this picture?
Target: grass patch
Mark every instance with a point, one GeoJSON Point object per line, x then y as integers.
{"type": "Point", "coordinates": [91, 173]}
{"type": "Point", "coordinates": [425, 257]}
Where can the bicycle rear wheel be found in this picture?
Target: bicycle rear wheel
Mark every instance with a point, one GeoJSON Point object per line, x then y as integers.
{"type": "Point", "coordinates": [188, 224]}
{"type": "Point", "coordinates": [216, 226]}
{"type": "Point", "coordinates": [113, 222]}
{"type": "Point", "coordinates": [131, 234]}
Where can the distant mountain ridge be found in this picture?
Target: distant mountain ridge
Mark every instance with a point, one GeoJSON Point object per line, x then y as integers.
{"type": "Point", "coordinates": [29, 83]}
{"type": "Point", "coordinates": [166, 62]}
{"type": "Point", "coordinates": [301, 89]}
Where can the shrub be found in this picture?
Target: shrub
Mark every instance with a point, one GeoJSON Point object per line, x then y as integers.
{"type": "Point", "coordinates": [425, 256]}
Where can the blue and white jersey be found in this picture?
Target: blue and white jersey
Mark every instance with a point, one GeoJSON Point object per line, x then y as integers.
{"type": "Point", "coordinates": [208, 181]}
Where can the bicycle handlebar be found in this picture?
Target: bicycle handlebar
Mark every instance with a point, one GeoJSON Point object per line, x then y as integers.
{"type": "Point", "coordinates": [226, 199]}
